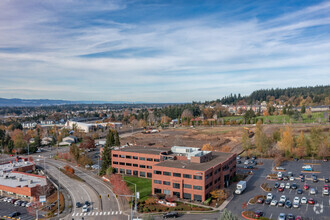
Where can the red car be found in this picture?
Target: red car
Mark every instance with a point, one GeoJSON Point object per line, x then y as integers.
{"type": "Point", "coordinates": [306, 186]}
{"type": "Point", "coordinates": [326, 187]}
{"type": "Point", "coordinates": [298, 218]}
{"type": "Point", "coordinates": [258, 214]}
{"type": "Point", "coordinates": [280, 189]}
{"type": "Point", "coordinates": [311, 201]}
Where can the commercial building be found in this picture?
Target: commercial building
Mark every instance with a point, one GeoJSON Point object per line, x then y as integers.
{"type": "Point", "coordinates": [184, 172]}
{"type": "Point", "coordinates": [21, 185]}
{"type": "Point", "coordinates": [17, 164]}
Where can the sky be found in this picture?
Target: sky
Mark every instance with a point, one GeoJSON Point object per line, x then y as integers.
{"type": "Point", "coordinates": [160, 51]}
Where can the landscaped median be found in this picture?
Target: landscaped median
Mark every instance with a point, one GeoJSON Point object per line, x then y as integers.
{"type": "Point", "coordinates": [265, 187]}
{"type": "Point", "coordinates": [250, 215]}
{"type": "Point", "coordinates": [69, 171]}
{"type": "Point", "coordinates": [254, 200]}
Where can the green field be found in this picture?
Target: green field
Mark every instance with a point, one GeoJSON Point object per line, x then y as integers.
{"type": "Point", "coordinates": [144, 186]}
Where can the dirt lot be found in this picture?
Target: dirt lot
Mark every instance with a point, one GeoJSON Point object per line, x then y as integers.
{"type": "Point", "coordinates": [225, 138]}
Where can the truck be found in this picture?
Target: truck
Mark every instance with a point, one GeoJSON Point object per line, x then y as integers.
{"type": "Point", "coordinates": [307, 168]}
{"type": "Point", "coordinates": [240, 187]}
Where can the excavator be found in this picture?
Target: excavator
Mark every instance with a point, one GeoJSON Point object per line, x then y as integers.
{"type": "Point", "coordinates": [251, 133]}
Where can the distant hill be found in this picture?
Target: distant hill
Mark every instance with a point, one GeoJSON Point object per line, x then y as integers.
{"type": "Point", "coordinates": [48, 102]}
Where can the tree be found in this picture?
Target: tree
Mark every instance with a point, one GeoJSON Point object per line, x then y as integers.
{"type": "Point", "coordinates": [227, 215]}
{"type": "Point", "coordinates": [219, 194]}
{"type": "Point", "coordinates": [18, 138]}
{"type": "Point", "coordinates": [316, 138]}
{"type": "Point", "coordinates": [116, 138]}
{"type": "Point", "coordinates": [287, 140]}
{"type": "Point", "coordinates": [106, 159]}
{"type": "Point", "coordinates": [165, 119]}
{"type": "Point", "coordinates": [324, 148]}
{"type": "Point", "coordinates": [88, 143]}
{"type": "Point", "coordinates": [142, 123]}
{"type": "Point", "coordinates": [119, 185]}
{"type": "Point", "coordinates": [261, 140]}
{"type": "Point", "coordinates": [246, 141]}
{"type": "Point", "coordinates": [303, 109]}
{"type": "Point", "coordinates": [110, 139]}
{"type": "Point", "coordinates": [207, 147]}
{"type": "Point", "coordinates": [75, 152]}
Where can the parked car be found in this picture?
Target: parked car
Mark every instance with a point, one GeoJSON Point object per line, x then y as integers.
{"type": "Point", "coordinates": [306, 187]}
{"type": "Point", "coordinates": [276, 185]}
{"type": "Point", "coordinates": [268, 201]}
{"type": "Point", "coordinates": [288, 204]}
{"type": "Point", "coordinates": [260, 201]}
{"type": "Point", "coordinates": [27, 205]}
{"type": "Point", "coordinates": [24, 204]}
{"type": "Point", "coordinates": [269, 196]}
{"type": "Point", "coordinates": [299, 191]}
{"type": "Point", "coordinates": [14, 214]}
{"type": "Point", "coordinates": [302, 179]}
{"type": "Point", "coordinates": [282, 185]}
{"type": "Point", "coordinates": [294, 186]}
{"type": "Point", "coordinates": [170, 215]}
{"type": "Point", "coordinates": [281, 216]}
{"type": "Point", "coordinates": [312, 191]}
{"type": "Point", "coordinates": [258, 214]}
{"type": "Point", "coordinates": [273, 202]}
{"type": "Point", "coordinates": [283, 198]}
{"type": "Point", "coordinates": [246, 162]}
{"type": "Point", "coordinates": [298, 218]}
{"type": "Point", "coordinates": [290, 173]}
{"type": "Point", "coordinates": [239, 162]}
{"type": "Point", "coordinates": [290, 216]}
{"type": "Point", "coordinates": [303, 200]}
{"type": "Point", "coordinates": [280, 189]}
{"type": "Point", "coordinates": [326, 180]}
{"type": "Point", "coordinates": [285, 178]}
{"type": "Point", "coordinates": [287, 186]}
{"type": "Point", "coordinates": [311, 201]}
{"type": "Point", "coordinates": [291, 178]}
{"type": "Point", "coordinates": [281, 203]}
{"type": "Point", "coordinates": [238, 157]}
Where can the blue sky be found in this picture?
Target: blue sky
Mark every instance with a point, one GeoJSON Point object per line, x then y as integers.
{"type": "Point", "coordinates": [160, 51]}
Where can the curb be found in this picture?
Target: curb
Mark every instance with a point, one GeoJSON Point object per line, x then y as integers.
{"type": "Point", "coordinates": [247, 217]}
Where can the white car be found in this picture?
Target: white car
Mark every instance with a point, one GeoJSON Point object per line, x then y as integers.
{"type": "Point", "coordinates": [312, 191]}
{"type": "Point", "coordinates": [27, 205]}
{"type": "Point", "coordinates": [296, 202]}
{"type": "Point", "coordinates": [307, 167]}
{"type": "Point", "coordinates": [246, 162]}
{"type": "Point", "coordinates": [303, 200]}
{"type": "Point", "coordinates": [291, 178]}
{"type": "Point", "coordinates": [274, 202]}
{"type": "Point", "coordinates": [287, 186]}
{"type": "Point", "coordinates": [85, 208]}
{"type": "Point", "coordinates": [283, 198]}
{"type": "Point", "coordinates": [282, 185]}
{"type": "Point", "coordinates": [269, 196]}
{"type": "Point", "coordinates": [281, 216]}
{"type": "Point", "coordinates": [296, 199]}
{"type": "Point", "coordinates": [280, 168]}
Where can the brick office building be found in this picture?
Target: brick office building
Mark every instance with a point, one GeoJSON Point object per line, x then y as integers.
{"type": "Point", "coordinates": [184, 172]}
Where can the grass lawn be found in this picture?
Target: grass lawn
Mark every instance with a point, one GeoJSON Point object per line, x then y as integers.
{"type": "Point", "coordinates": [144, 186]}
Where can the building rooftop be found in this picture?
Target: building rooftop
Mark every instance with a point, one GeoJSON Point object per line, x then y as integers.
{"type": "Point", "coordinates": [16, 179]}
{"type": "Point", "coordinates": [217, 157]}
{"type": "Point", "coordinates": [144, 150]}
{"type": "Point", "coordinates": [7, 167]}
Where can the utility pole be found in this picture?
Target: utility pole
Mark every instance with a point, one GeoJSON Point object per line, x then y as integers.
{"type": "Point", "coordinates": [135, 195]}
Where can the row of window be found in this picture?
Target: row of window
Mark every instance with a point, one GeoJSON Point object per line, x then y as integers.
{"type": "Point", "coordinates": [134, 165]}
{"type": "Point", "coordinates": [177, 185]}
{"type": "Point", "coordinates": [134, 173]}
{"type": "Point", "coordinates": [135, 157]}
{"type": "Point", "coordinates": [187, 176]}
{"type": "Point", "coordinates": [196, 197]}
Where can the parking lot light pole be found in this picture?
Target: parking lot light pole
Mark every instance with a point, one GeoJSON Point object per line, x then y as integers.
{"type": "Point", "coordinates": [135, 195]}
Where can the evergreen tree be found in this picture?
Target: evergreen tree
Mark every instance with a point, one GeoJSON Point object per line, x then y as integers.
{"type": "Point", "coordinates": [303, 109]}
{"type": "Point", "coordinates": [37, 140]}
{"type": "Point", "coordinates": [110, 140]}
{"type": "Point", "coordinates": [106, 159]}
{"type": "Point", "coordinates": [116, 138]}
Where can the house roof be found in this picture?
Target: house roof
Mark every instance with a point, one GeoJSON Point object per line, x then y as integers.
{"type": "Point", "coordinates": [144, 150]}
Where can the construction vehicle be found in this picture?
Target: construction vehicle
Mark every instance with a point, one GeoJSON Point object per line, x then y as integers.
{"type": "Point", "coordinates": [250, 132]}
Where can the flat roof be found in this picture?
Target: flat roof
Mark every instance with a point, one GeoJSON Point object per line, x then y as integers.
{"type": "Point", "coordinates": [217, 157]}
{"type": "Point", "coordinates": [144, 150]}
{"type": "Point", "coordinates": [15, 179]}
{"type": "Point", "coordinates": [7, 167]}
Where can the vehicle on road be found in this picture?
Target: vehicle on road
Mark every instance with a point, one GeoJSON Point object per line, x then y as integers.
{"type": "Point", "coordinates": [171, 215]}
{"type": "Point", "coordinates": [85, 208]}
{"type": "Point", "coordinates": [78, 204]}
{"type": "Point", "coordinates": [87, 203]}
{"type": "Point", "coordinates": [281, 216]}
{"type": "Point", "coordinates": [240, 187]}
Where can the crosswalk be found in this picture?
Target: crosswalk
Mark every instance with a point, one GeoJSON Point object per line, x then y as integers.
{"type": "Point", "coordinates": [97, 213]}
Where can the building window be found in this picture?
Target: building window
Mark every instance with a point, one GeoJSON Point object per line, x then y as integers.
{"type": "Point", "coordinates": [177, 174]}
{"type": "Point", "coordinates": [186, 195]}
{"type": "Point", "coordinates": [135, 173]}
{"type": "Point", "coordinates": [167, 192]}
{"type": "Point", "coordinates": [142, 174]}
{"type": "Point", "coordinates": [115, 162]}
{"type": "Point", "coordinates": [149, 167]}
{"type": "Point", "coordinates": [188, 186]}
{"type": "Point", "coordinates": [158, 172]}
{"type": "Point", "coordinates": [142, 166]}
{"type": "Point", "coordinates": [135, 165]}
{"type": "Point", "coordinates": [167, 183]}
{"type": "Point", "coordinates": [158, 181]}
{"type": "Point", "coordinates": [149, 159]}
{"type": "Point", "coordinates": [115, 155]}
{"type": "Point", "coordinates": [121, 163]}
{"type": "Point", "coordinates": [196, 177]}
{"type": "Point", "coordinates": [156, 191]}
{"type": "Point", "coordinates": [128, 157]}
{"type": "Point", "coordinates": [188, 176]}
{"type": "Point", "coordinates": [128, 164]}
{"type": "Point", "coordinates": [129, 172]}
{"type": "Point", "coordinates": [122, 156]}
{"type": "Point", "coordinates": [122, 171]}
{"type": "Point", "coordinates": [198, 198]}
{"type": "Point", "coordinates": [166, 173]}
{"type": "Point", "coordinates": [198, 187]}
{"type": "Point", "coordinates": [135, 157]}
{"type": "Point", "coordinates": [142, 158]}
{"type": "Point", "coordinates": [177, 194]}
{"type": "Point", "coordinates": [116, 170]}
{"type": "Point", "coordinates": [176, 185]}
{"type": "Point", "coordinates": [149, 175]}
{"type": "Point", "coordinates": [156, 160]}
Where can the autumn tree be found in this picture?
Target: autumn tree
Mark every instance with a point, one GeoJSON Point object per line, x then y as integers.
{"type": "Point", "coordinates": [165, 119]}
{"type": "Point", "coordinates": [207, 147]}
{"type": "Point", "coordinates": [75, 152]}
{"type": "Point", "coordinates": [317, 139]}
{"type": "Point", "coordinates": [246, 141]}
{"type": "Point", "coordinates": [324, 148]}
{"type": "Point", "coordinates": [219, 194]}
{"type": "Point", "coordinates": [286, 143]}
{"type": "Point", "coordinates": [261, 140]}
{"type": "Point", "coordinates": [119, 185]}
{"type": "Point", "coordinates": [142, 123]}
{"type": "Point", "coordinates": [18, 138]}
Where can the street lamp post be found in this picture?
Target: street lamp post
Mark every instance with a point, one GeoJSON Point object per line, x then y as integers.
{"type": "Point", "coordinates": [135, 195]}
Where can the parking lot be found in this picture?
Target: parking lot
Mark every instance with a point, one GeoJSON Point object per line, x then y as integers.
{"type": "Point", "coordinates": [7, 208]}
{"type": "Point", "coordinates": [320, 210]}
